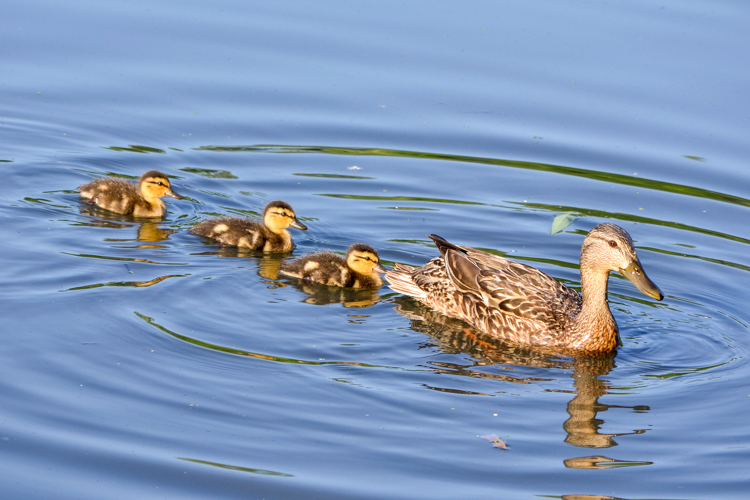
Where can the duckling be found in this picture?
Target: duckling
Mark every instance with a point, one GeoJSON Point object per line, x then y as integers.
{"type": "Point", "coordinates": [122, 197]}
{"type": "Point", "coordinates": [269, 236]}
{"type": "Point", "coordinates": [358, 270]}
{"type": "Point", "coordinates": [516, 302]}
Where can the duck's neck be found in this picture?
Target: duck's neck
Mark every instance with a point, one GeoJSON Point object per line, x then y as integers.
{"type": "Point", "coordinates": [376, 279]}
{"type": "Point", "coordinates": [595, 325]}
{"type": "Point", "coordinates": [284, 235]}
{"type": "Point", "coordinates": [278, 231]}
{"type": "Point", "coordinates": [153, 201]}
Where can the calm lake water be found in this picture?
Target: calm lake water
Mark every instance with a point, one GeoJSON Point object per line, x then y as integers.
{"type": "Point", "coordinates": [140, 361]}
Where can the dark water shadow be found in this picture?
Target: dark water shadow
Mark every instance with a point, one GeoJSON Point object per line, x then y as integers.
{"type": "Point", "coordinates": [261, 472]}
{"type": "Point", "coordinates": [595, 175]}
{"type": "Point", "coordinates": [583, 426]}
{"type": "Point", "coordinates": [578, 212]}
{"type": "Point", "coordinates": [133, 284]}
{"type": "Point", "coordinates": [249, 354]}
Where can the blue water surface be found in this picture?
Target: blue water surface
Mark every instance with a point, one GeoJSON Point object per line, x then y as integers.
{"type": "Point", "coordinates": [142, 361]}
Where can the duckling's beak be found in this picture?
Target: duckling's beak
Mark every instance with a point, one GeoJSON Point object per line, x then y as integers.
{"type": "Point", "coordinates": [296, 223]}
{"type": "Point", "coordinates": [172, 194]}
{"type": "Point", "coordinates": [379, 269]}
{"type": "Point", "coordinates": [635, 273]}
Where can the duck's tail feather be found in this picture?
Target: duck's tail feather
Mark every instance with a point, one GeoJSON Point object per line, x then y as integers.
{"type": "Point", "coordinates": [400, 280]}
{"type": "Point", "coordinates": [444, 245]}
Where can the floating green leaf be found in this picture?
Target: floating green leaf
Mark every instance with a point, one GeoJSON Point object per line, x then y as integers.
{"type": "Point", "coordinates": [561, 222]}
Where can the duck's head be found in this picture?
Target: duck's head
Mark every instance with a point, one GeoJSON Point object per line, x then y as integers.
{"type": "Point", "coordinates": [278, 216]}
{"type": "Point", "coordinates": [154, 184]}
{"type": "Point", "coordinates": [608, 247]}
{"type": "Point", "coordinates": [363, 259]}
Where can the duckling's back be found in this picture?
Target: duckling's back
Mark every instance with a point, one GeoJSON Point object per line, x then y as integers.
{"type": "Point", "coordinates": [112, 194]}
{"type": "Point", "coordinates": [322, 267]}
{"type": "Point", "coordinates": [244, 233]}
{"type": "Point", "coordinates": [327, 268]}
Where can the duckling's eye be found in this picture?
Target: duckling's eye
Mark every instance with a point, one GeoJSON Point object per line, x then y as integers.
{"type": "Point", "coordinates": [613, 243]}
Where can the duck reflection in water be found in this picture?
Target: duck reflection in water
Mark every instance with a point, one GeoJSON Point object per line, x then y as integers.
{"type": "Point", "coordinates": [321, 295]}
{"type": "Point", "coordinates": [148, 231]}
{"type": "Point", "coordinates": [453, 336]}
{"type": "Point", "coordinates": [268, 263]}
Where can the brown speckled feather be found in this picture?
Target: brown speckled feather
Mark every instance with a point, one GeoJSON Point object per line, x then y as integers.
{"type": "Point", "coordinates": [326, 268]}
{"type": "Point", "coordinates": [143, 200]}
{"type": "Point", "coordinates": [116, 195]}
{"type": "Point", "coordinates": [505, 301]}
{"type": "Point", "coordinates": [516, 302]}
{"type": "Point", "coordinates": [234, 231]}
{"type": "Point", "coordinates": [330, 269]}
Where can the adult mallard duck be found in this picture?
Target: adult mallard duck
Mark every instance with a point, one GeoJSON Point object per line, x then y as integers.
{"type": "Point", "coordinates": [359, 270]}
{"type": "Point", "coordinates": [269, 236]}
{"type": "Point", "coordinates": [122, 196]}
{"type": "Point", "coordinates": [522, 304]}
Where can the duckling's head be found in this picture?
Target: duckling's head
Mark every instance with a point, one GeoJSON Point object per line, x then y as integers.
{"type": "Point", "coordinates": [608, 247]}
{"type": "Point", "coordinates": [278, 216]}
{"type": "Point", "coordinates": [154, 184]}
{"type": "Point", "coordinates": [363, 259]}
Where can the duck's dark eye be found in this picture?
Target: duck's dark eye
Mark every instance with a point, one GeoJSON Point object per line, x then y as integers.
{"type": "Point", "coordinates": [612, 243]}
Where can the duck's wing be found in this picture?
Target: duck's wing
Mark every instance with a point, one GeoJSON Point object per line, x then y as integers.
{"type": "Point", "coordinates": [529, 293]}
{"type": "Point", "coordinates": [508, 286]}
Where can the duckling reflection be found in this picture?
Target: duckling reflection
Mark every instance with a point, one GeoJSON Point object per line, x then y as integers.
{"type": "Point", "coordinates": [268, 263]}
{"type": "Point", "coordinates": [148, 231]}
{"type": "Point", "coordinates": [454, 336]}
{"type": "Point", "coordinates": [151, 232]}
{"type": "Point", "coordinates": [100, 217]}
{"type": "Point", "coordinates": [322, 295]}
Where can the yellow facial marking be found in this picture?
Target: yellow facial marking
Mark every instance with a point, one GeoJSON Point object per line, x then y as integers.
{"type": "Point", "coordinates": [311, 266]}
{"type": "Point", "coordinates": [154, 187]}
{"type": "Point", "coordinates": [363, 263]}
{"type": "Point", "coordinates": [221, 228]}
